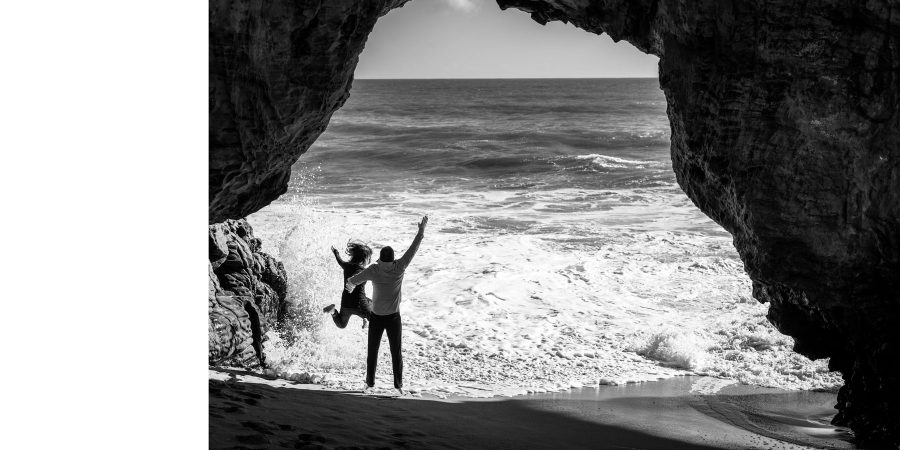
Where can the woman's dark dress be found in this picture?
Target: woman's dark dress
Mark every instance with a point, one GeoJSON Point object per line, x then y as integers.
{"type": "Point", "coordinates": [355, 302]}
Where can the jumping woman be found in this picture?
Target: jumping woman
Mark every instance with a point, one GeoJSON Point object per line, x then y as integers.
{"type": "Point", "coordinates": [354, 303]}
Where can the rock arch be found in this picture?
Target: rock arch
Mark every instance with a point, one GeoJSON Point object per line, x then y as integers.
{"type": "Point", "coordinates": [785, 131]}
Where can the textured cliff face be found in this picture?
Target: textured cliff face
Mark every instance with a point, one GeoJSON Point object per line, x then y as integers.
{"type": "Point", "coordinates": [785, 131]}
{"type": "Point", "coordinates": [247, 294]}
{"type": "Point", "coordinates": [277, 71]}
{"type": "Point", "coordinates": [784, 123]}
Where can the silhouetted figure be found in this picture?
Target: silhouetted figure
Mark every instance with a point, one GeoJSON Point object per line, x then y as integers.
{"type": "Point", "coordinates": [386, 276]}
{"type": "Point", "coordinates": [353, 303]}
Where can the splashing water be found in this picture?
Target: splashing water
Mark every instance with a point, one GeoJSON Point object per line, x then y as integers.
{"type": "Point", "coordinates": [490, 311]}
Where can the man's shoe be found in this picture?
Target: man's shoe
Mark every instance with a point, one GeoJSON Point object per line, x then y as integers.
{"type": "Point", "coordinates": [368, 389]}
{"type": "Point", "coordinates": [329, 308]}
{"type": "Point", "coordinates": [400, 392]}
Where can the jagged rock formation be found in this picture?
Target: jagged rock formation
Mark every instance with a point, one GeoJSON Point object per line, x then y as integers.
{"type": "Point", "coordinates": [277, 71]}
{"type": "Point", "coordinates": [785, 131]}
{"type": "Point", "coordinates": [784, 123]}
{"type": "Point", "coordinates": [247, 294]}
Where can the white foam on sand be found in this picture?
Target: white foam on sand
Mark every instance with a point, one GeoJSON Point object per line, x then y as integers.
{"type": "Point", "coordinates": [710, 385]}
{"type": "Point", "coordinates": [495, 310]}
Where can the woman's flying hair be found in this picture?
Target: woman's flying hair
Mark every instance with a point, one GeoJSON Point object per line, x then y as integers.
{"type": "Point", "coordinates": [359, 252]}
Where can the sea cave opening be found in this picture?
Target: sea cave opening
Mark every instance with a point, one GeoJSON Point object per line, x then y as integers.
{"type": "Point", "coordinates": [561, 250]}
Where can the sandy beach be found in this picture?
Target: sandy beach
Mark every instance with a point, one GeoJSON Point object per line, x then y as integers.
{"type": "Point", "coordinates": [247, 411]}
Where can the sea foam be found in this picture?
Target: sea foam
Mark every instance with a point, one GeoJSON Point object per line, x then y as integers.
{"type": "Point", "coordinates": [490, 310]}
{"type": "Point", "coordinates": [676, 348]}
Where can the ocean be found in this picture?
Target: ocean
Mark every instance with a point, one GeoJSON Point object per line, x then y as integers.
{"type": "Point", "coordinates": [560, 250]}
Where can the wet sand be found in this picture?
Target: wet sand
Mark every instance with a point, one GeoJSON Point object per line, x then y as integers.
{"type": "Point", "coordinates": [246, 411]}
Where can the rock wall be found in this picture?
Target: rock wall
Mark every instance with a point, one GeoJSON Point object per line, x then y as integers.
{"type": "Point", "coordinates": [785, 131]}
{"type": "Point", "coordinates": [277, 71]}
{"type": "Point", "coordinates": [247, 294]}
{"type": "Point", "coordinates": [784, 121]}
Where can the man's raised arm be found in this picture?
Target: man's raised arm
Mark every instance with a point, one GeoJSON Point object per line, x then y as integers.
{"type": "Point", "coordinates": [411, 251]}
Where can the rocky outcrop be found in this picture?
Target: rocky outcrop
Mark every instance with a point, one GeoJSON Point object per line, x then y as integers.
{"type": "Point", "coordinates": [784, 121]}
{"type": "Point", "coordinates": [247, 294]}
{"type": "Point", "coordinates": [277, 71]}
{"type": "Point", "coordinates": [785, 131]}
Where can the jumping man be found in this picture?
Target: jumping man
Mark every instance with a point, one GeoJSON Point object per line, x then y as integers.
{"type": "Point", "coordinates": [386, 276]}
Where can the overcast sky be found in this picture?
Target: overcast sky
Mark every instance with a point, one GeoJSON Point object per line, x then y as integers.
{"type": "Point", "coordinates": [474, 39]}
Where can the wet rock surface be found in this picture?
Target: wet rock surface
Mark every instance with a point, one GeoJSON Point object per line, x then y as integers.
{"type": "Point", "coordinates": [247, 294]}
{"type": "Point", "coordinates": [784, 121]}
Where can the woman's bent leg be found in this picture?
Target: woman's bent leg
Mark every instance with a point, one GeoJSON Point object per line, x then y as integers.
{"type": "Point", "coordinates": [355, 312]}
{"type": "Point", "coordinates": [365, 307]}
{"type": "Point", "coordinates": [365, 310]}
{"type": "Point", "coordinates": [341, 318]}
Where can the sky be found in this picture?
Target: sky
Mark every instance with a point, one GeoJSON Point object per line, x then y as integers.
{"type": "Point", "coordinates": [475, 39]}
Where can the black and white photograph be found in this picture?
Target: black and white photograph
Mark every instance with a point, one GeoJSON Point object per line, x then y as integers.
{"type": "Point", "coordinates": [577, 224]}
{"type": "Point", "coordinates": [467, 224]}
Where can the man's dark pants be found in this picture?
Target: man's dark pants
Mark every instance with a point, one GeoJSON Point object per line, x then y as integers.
{"type": "Point", "coordinates": [377, 326]}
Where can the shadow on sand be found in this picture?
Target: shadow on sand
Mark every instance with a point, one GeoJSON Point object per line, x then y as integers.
{"type": "Point", "coordinates": [248, 414]}
{"type": "Point", "coordinates": [258, 416]}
